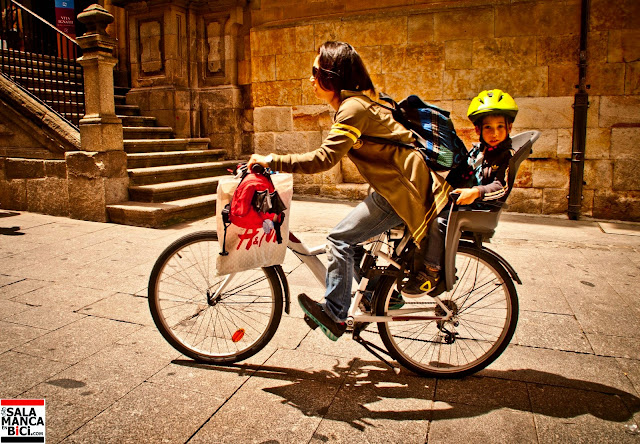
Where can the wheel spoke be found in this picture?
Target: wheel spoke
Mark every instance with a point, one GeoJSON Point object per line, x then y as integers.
{"type": "Point", "coordinates": [484, 306]}
{"type": "Point", "coordinates": [236, 324]}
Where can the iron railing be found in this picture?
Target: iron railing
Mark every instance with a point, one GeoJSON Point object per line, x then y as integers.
{"type": "Point", "coordinates": [42, 60]}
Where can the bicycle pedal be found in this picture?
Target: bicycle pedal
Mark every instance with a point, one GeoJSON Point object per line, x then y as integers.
{"type": "Point", "coordinates": [310, 322]}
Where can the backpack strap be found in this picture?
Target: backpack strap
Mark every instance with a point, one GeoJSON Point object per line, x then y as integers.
{"type": "Point", "coordinates": [419, 141]}
{"type": "Point", "coordinates": [226, 221]}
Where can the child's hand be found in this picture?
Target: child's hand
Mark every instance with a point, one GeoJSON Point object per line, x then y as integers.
{"type": "Point", "coordinates": [466, 195]}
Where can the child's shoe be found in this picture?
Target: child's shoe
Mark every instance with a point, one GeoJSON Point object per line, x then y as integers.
{"type": "Point", "coordinates": [396, 301]}
{"type": "Point", "coordinates": [421, 284]}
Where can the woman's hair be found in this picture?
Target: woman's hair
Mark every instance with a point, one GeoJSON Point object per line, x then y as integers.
{"type": "Point", "coordinates": [341, 68]}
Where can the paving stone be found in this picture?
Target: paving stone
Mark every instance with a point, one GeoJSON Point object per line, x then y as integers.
{"type": "Point", "coordinates": [20, 287]}
{"type": "Point", "coordinates": [615, 345]}
{"type": "Point", "coordinates": [14, 335]}
{"type": "Point", "coordinates": [485, 392]}
{"type": "Point", "coordinates": [62, 295]}
{"type": "Point", "coordinates": [129, 420]}
{"type": "Point", "coordinates": [631, 369]}
{"type": "Point", "coordinates": [569, 415]}
{"type": "Point", "coordinates": [121, 307]}
{"type": "Point", "coordinates": [20, 372]}
{"type": "Point", "coordinates": [10, 246]}
{"type": "Point", "coordinates": [376, 405]}
{"type": "Point", "coordinates": [64, 418]}
{"type": "Point", "coordinates": [103, 378]}
{"type": "Point", "coordinates": [78, 340]}
{"type": "Point", "coordinates": [282, 409]}
{"type": "Point", "coordinates": [554, 331]}
{"type": "Point", "coordinates": [45, 318]}
{"type": "Point", "coordinates": [461, 423]}
{"type": "Point", "coordinates": [9, 308]}
{"type": "Point", "coordinates": [218, 382]}
{"type": "Point", "coordinates": [100, 379]}
{"type": "Point", "coordinates": [560, 368]}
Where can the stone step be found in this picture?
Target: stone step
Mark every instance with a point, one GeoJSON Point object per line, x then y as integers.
{"type": "Point", "coordinates": [29, 72]}
{"type": "Point", "coordinates": [44, 69]}
{"type": "Point", "coordinates": [174, 173]}
{"type": "Point", "coordinates": [146, 160]}
{"type": "Point", "coordinates": [120, 99]}
{"type": "Point", "coordinates": [164, 145]}
{"type": "Point", "coordinates": [121, 90]}
{"type": "Point", "coordinates": [64, 104]}
{"type": "Point", "coordinates": [162, 214]}
{"type": "Point", "coordinates": [147, 132]}
{"type": "Point", "coordinates": [59, 94]}
{"type": "Point", "coordinates": [163, 192]}
{"type": "Point", "coordinates": [46, 83]}
{"type": "Point", "coordinates": [16, 56]}
{"type": "Point", "coordinates": [137, 121]}
{"type": "Point", "coordinates": [128, 110]}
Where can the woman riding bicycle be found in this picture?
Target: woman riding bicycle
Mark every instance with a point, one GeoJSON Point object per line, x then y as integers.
{"type": "Point", "coordinates": [405, 189]}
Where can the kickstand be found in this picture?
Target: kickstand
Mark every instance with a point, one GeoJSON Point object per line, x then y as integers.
{"type": "Point", "coordinates": [370, 348]}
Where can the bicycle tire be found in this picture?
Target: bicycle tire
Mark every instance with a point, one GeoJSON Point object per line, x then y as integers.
{"type": "Point", "coordinates": [237, 325]}
{"type": "Point", "coordinates": [485, 302]}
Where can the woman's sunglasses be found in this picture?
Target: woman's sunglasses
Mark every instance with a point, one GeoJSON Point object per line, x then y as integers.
{"type": "Point", "coordinates": [315, 70]}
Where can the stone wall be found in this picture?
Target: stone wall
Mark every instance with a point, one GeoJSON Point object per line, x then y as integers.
{"type": "Point", "coordinates": [447, 52]}
{"type": "Point", "coordinates": [46, 164]}
{"type": "Point", "coordinates": [33, 141]}
{"type": "Point", "coordinates": [185, 59]}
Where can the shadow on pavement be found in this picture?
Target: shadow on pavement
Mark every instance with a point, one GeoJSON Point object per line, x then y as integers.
{"type": "Point", "coordinates": [11, 231]}
{"type": "Point", "coordinates": [363, 383]}
{"type": "Point", "coordinates": [5, 213]}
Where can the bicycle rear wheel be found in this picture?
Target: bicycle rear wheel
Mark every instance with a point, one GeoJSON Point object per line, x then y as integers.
{"type": "Point", "coordinates": [211, 318]}
{"type": "Point", "coordinates": [485, 306]}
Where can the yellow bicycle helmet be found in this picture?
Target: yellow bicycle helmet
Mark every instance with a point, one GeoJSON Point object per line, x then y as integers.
{"type": "Point", "coordinates": [492, 102]}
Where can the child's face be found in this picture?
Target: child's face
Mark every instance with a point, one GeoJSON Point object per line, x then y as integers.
{"type": "Point", "coordinates": [494, 130]}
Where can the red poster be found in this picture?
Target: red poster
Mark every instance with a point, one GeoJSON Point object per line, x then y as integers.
{"type": "Point", "coordinates": [65, 17]}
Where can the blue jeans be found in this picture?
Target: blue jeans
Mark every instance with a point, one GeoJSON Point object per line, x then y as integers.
{"type": "Point", "coordinates": [434, 252]}
{"type": "Point", "coordinates": [371, 217]}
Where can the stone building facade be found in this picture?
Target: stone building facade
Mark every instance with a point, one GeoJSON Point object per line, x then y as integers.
{"type": "Point", "coordinates": [448, 51]}
{"type": "Point", "coordinates": [237, 72]}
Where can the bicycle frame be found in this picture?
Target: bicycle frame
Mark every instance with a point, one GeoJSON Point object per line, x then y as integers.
{"type": "Point", "coordinates": [309, 257]}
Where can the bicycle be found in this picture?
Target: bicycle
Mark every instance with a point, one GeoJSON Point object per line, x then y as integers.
{"type": "Point", "coordinates": [462, 326]}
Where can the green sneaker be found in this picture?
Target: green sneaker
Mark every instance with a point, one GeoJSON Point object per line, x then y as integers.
{"type": "Point", "coordinates": [396, 301]}
{"type": "Point", "coordinates": [333, 330]}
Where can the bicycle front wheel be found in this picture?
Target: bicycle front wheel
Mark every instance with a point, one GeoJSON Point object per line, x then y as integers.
{"type": "Point", "coordinates": [484, 303]}
{"type": "Point", "coordinates": [211, 318]}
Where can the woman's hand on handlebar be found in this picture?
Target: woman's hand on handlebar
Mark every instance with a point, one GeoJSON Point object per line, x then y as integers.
{"type": "Point", "coordinates": [259, 160]}
{"type": "Point", "coordinates": [466, 196]}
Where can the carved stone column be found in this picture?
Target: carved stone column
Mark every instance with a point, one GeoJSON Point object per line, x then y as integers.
{"type": "Point", "coordinates": [184, 67]}
{"type": "Point", "coordinates": [100, 128]}
{"type": "Point", "coordinates": [97, 175]}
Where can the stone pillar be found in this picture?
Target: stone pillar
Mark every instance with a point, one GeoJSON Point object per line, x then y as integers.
{"type": "Point", "coordinates": [97, 175]}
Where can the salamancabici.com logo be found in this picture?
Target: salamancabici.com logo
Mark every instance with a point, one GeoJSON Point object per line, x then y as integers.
{"type": "Point", "coordinates": [22, 421]}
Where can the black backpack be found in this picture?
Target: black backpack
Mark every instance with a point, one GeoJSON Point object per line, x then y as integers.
{"type": "Point", "coordinates": [432, 128]}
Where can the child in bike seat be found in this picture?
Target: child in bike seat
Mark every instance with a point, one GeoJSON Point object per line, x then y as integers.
{"type": "Point", "coordinates": [482, 179]}
{"type": "Point", "coordinates": [404, 188]}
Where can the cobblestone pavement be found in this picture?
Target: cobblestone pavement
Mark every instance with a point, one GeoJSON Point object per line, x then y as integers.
{"type": "Point", "coordinates": [75, 329]}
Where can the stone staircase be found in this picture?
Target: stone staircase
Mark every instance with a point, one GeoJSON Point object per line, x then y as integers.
{"type": "Point", "coordinates": [170, 180]}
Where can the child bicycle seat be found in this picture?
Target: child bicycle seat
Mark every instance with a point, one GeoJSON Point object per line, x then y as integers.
{"type": "Point", "coordinates": [469, 222]}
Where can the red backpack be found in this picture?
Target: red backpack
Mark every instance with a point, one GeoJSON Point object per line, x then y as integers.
{"type": "Point", "coordinates": [254, 201]}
